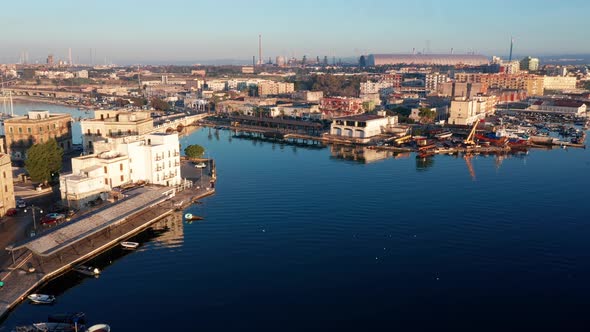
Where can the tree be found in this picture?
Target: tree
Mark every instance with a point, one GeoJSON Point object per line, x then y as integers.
{"type": "Point", "coordinates": [194, 151]}
{"type": "Point", "coordinates": [44, 160]}
{"type": "Point", "coordinates": [426, 114]}
{"type": "Point", "coordinates": [159, 104]}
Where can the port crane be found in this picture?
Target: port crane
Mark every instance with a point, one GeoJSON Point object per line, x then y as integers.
{"type": "Point", "coordinates": [470, 139]}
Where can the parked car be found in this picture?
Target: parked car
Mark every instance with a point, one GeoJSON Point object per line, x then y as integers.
{"type": "Point", "coordinates": [21, 204]}
{"type": "Point", "coordinates": [52, 218]}
{"type": "Point", "coordinates": [200, 165]}
{"type": "Point", "coordinates": [11, 212]}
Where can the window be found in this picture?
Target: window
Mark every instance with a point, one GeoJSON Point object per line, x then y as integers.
{"type": "Point", "coordinates": [4, 173]}
{"type": "Point", "coordinates": [105, 170]}
{"type": "Point", "coordinates": [122, 178]}
{"type": "Point", "coordinates": [10, 130]}
{"type": "Point", "coordinates": [106, 181]}
{"type": "Point", "coordinates": [5, 188]}
{"type": "Point", "coordinates": [20, 130]}
{"type": "Point", "coordinates": [88, 131]}
{"type": "Point", "coordinates": [40, 129]}
{"type": "Point", "coordinates": [54, 126]}
{"type": "Point", "coordinates": [121, 166]}
{"type": "Point", "coordinates": [29, 130]}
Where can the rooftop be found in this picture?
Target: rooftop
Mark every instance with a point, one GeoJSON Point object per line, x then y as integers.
{"type": "Point", "coordinates": [361, 117]}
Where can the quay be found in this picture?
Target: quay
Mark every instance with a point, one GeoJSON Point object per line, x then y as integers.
{"type": "Point", "coordinates": [48, 255]}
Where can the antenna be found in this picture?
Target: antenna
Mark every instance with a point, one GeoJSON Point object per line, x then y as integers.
{"type": "Point", "coordinates": [511, 45]}
{"type": "Point", "coordinates": [260, 49]}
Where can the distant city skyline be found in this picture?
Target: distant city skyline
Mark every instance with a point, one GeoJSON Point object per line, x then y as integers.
{"type": "Point", "coordinates": [182, 31]}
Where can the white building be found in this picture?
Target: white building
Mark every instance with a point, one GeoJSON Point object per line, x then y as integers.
{"type": "Point", "coordinates": [432, 81]}
{"type": "Point", "coordinates": [154, 159]}
{"type": "Point", "coordinates": [466, 111]}
{"type": "Point", "coordinates": [361, 127]}
{"type": "Point", "coordinates": [559, 83]}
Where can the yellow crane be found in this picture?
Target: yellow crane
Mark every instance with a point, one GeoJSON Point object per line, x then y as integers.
{"type": "Point", "coordinates": [470, 139]}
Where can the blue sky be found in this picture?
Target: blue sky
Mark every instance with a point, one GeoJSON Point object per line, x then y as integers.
{"type": "Point", "coordinates": [129, 31]}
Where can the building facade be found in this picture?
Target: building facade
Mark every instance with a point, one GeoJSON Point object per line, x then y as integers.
{"type": "Point", "coordinates": [270, 88]}
{"type": "Point", "coordinates": [153, 159]}
{"type": "Point", "coordinates": [465, 111]}
{"type": "Point", "coordinates": [361, 127]}
{"type": "Point", "coordinates": [340, 106]}
{"type": "Point", "coordinates": [114, 123]}
{"type": "Point", "coordinates": [6, 185]}
{"type": "Point", "coordinates": [532, 84]}
{"type": "Point", "coordinates": [22, 132]}
{"type": "Point", "coordinates": [559, 83]}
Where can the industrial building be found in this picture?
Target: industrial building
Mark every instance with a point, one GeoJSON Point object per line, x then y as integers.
{"type": "Point", "coordinates": [426, 59]}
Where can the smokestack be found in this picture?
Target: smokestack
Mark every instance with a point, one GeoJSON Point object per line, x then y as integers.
{"type": "Point", "coordinates": [260, 49]}
{"type": "Point", "coordinates": [413, 50]}
{"type": "Point", "coordinates": [452, 50]}
{"type": "Point", "coordinates": [511, 45]}
{"type": "Point", "coordinates": [70, 56]}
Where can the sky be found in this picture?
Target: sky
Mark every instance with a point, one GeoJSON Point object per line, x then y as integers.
{"type": "Point", "coordinates": [170, 31]}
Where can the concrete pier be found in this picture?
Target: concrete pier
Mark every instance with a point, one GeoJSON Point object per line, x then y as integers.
{"type": "Point", "coordinates": [56, 252]}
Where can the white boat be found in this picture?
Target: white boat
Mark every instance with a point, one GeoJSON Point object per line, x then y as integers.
{"type": "Point", "coordinates": [129, 245]}
{"type": "Point", "coordinates": [444, 135]}
{"type": "Point", "coordinates": [87, 270]}
{"type": "Point", "coordinates": [41, 298]}
{"type": "Point", "coordinates": [99, 328]}
{"type": "Point", "coordinates": [47, 327]}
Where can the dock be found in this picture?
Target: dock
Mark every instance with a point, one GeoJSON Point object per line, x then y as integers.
{"type": "Point", "coordinates": [53, 253]}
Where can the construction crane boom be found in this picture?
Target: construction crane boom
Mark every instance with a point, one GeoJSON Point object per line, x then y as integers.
{"type": "Point", "coordinates": [470, 139]}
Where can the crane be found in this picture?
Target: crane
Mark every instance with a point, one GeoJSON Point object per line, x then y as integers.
{"type": "Point", "coordinates": [470, 139]}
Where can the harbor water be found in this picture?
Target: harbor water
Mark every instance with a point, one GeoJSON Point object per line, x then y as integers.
{"type": "Point", "coordinates": [299, 238]}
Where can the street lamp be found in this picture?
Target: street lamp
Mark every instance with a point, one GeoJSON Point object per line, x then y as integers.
{"type": "Point", "coordinates": [33, 209]}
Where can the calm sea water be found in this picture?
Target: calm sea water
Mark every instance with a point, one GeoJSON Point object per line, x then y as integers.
{"type": "Point", "coordinates": [297, 239]}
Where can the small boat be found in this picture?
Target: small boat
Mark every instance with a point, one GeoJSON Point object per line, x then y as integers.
{"type": "Point", "coordinates": [70, 318]}
{"type": "Point", "coordinates": [41, 298]}
{"type": "Point", "coordinates": [190, 216]}
{"type": "Point", "coordinates": [87, 270]}
{"type": "Point", "coordinates": [444, 135]}
{"type": "Point", "coordinates": [129, 245]}
{"type": "Point", "coordinates": [50, 327]}
{"type": "Point", "coordinates": [99, 328]}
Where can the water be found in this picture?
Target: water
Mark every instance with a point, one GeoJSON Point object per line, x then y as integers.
{"type": "Point", "coordinates": [296, 239]}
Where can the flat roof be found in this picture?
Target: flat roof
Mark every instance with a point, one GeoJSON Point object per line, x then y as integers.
{"type": "Point", "coordinates": [80, 228]}
{"type": "Point", "coordinates": [361, 117]}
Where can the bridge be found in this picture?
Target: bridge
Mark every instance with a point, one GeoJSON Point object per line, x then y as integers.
{"type": "Point", "coordinates": [177, 123]}
{"type": "Point", "coordinates": [44, 93]}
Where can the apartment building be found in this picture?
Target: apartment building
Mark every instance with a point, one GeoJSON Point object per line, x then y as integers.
{"type": "Point", "coordinates": [22, 132]}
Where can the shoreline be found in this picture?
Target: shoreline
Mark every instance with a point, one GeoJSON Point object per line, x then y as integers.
{"type": "Point", "coordinates": [49, 101]}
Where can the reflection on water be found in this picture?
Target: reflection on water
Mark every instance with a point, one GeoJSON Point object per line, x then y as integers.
{"type": "Point", "coordinates": [165, 233]}
{"type": "Point", "coordinates": [362, 154]}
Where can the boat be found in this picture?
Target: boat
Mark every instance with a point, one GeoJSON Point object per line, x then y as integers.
{"type": "Point", "coordinates": [87, 270]}
{"type": "Point", "coordinates": [69, 317]}
{"type": "Point", "coordinates": [190, 216]}
{"type": "Point", "coordinates": [493, 138]}
{"type": "Point", "coordinates": [50, 327]}
{"type": "Point", "coordinates": [41, 298]}
{"type": "Point", "coordinates": [99, 328]}
{"type": "Point", "coordinates": [129, 245]}
{"type": "Point", "coordinates": [444, 135]}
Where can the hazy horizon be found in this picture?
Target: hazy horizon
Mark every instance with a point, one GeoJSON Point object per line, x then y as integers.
{"type": "Point", "coordinates": [181, 31]}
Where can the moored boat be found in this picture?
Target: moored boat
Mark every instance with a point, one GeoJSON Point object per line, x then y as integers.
{"type": "Point", "coordinates": [492, 138]}
{"type": "Point", "coordinates": [57, 327]}
{"type": "Point", "coordinates": [129, 245]}
{"type": "Point", "coordinates": [99, 328]}
{"type": "Point", "coordinates": [41, 298]}
{"type": "Point", "coordinates": [190, 216]}
{"type": "Point", "coordinates": [87, 270]}
{"type": "Point", "coordinates": [444, 135]}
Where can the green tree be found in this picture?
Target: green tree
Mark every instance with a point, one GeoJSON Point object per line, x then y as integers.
{"type": "Point", "coordinates": [44, 160]}
{"type": "Point", "coordinates": [159, 104]}
{"type": "Point", "coordinates": [194, 151]}
{"type": "Point", "coordinates": [426, 114]}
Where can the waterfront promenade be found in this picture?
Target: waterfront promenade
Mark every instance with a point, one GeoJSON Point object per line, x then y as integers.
{"type": "Point", "coordinates": [55, 252]}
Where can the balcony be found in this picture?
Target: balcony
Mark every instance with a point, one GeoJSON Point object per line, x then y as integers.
{"type": "Point", "coordinates": [158, 158]}
{"type": "Point", "coordinates": [176, 154]}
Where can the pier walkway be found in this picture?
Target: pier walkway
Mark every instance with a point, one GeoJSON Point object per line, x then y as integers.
{"type": "Point", "coordinates": [46, 256]}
